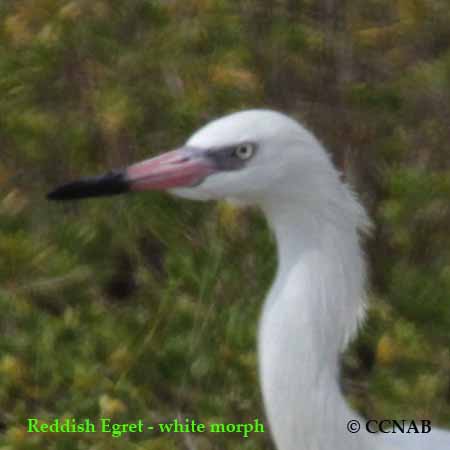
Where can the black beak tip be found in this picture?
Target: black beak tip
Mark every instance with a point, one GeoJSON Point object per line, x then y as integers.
{"type": "Point", "coordinates": [52, 195]}
{"type": "Point", "coordinates": [58, 194]}
{"type": "Point", "coordinates": [113, 183]}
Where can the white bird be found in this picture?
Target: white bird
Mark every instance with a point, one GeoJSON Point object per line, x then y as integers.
{"type": "Point", "coordinates": [317, 300]}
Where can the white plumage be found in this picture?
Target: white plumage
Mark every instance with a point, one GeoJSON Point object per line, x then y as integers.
{"type": "Point", "coordinates": [318, 297]}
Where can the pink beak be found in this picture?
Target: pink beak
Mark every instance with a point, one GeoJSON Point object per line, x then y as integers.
{"type": "Point", "coordinates": [184, 167]}
{"type": "Point", "coordinates": [178, 168]}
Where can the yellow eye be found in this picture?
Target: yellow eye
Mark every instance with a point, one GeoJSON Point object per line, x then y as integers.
{"type": "Point", "coordinates": [244, 151]}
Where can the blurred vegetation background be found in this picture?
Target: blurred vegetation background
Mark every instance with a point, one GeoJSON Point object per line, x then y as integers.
{"type": "Point", "coordinates": [146, 306]}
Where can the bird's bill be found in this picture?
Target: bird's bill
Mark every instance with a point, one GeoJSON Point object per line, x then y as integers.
{"type": "Point", "coordinates": [184, 167]}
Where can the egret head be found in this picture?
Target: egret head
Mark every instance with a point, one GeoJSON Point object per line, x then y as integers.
{"type": "Point", "coordinates": [257, 152]}
{"type": "Point", "coordinates": [245, 156]}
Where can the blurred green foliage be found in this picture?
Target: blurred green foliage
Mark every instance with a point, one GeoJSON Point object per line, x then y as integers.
{"type": "Point", "coordinates": [146, 307]}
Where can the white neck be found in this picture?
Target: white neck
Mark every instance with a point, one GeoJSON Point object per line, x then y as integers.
{"type": "Point", "coordinates": [311, 312]}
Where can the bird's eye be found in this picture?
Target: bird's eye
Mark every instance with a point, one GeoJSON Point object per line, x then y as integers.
{"type": "Point", "coordinates": [244, 151]}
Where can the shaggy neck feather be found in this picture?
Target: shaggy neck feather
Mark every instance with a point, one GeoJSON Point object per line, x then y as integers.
{"type": "Point", "coordinates": [311, 312]}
